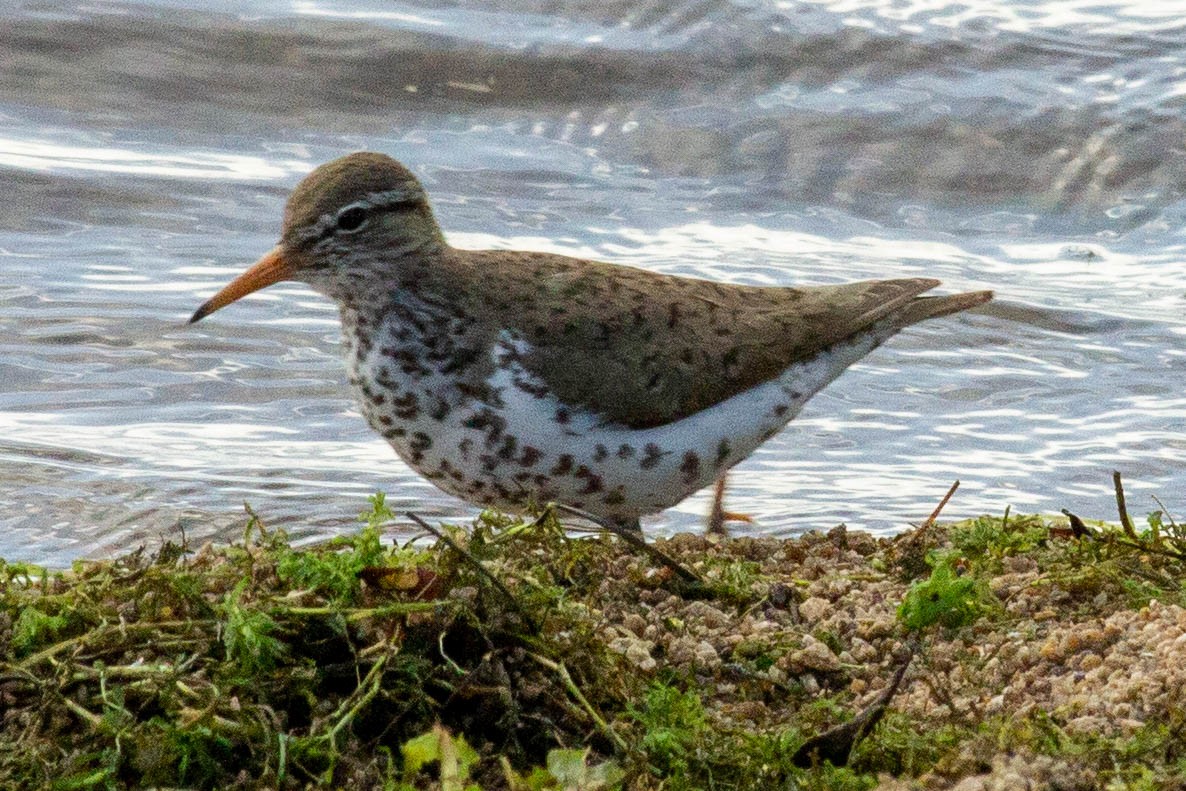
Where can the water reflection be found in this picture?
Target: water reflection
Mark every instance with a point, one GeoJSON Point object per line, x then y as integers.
{"type": "Point", "coordinates": [1033, 149]}
{"type": "Point", "coordinates": [44, 155]}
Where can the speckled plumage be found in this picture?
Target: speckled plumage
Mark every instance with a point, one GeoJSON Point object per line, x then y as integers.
{"type": "Point", "coordinates": [507, 377]}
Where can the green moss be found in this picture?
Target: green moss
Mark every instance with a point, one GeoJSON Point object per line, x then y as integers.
{"type": "Point", "coordinates": [34, 629]}
{"type": "Point", "coordinates": [334, 567]}
{"type": "Point", "coordinates": [249, 634]}
{"type": "Point", "coordinates": [900, 748]}
{"type": "Point", "coordinates": [489, 662]}
{"type": "Point", "coordinates": [674, 731]}
{"type": "Point", "coordinates": [992, 538]}
{"type": "Point", "coordinates": [948, 598]}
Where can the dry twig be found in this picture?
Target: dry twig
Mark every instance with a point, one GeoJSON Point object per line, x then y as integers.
{"type": "Point", "coordinates": [930, 520]}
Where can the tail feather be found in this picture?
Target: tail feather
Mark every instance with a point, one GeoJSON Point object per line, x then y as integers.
{"type": "Point", "coordinates": [923, 308]}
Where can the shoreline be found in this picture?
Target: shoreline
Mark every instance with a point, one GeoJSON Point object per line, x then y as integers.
{"type": "Point", "coordinates": [1029, 650]}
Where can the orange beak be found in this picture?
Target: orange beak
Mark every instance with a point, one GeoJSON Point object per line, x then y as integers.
{"type": "Point", "coordinates": [270, 269]}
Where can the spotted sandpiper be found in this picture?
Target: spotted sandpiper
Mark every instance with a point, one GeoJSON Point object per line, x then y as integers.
{"type": "Point", "coordinates": [509, 377]}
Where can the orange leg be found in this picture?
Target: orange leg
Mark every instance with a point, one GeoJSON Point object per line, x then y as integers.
{"type": "Point", "coordinates": [717, 515]}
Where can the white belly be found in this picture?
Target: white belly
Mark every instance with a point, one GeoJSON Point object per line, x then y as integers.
{"type": "Point", "coordinates": [520, 453]}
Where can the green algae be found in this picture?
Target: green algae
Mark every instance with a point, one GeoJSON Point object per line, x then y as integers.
{"type": "Point", "coordinates": [503, 659]}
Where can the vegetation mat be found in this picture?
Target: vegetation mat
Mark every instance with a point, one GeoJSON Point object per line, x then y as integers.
{"type": "Point", "coordinates": [1000, 652]}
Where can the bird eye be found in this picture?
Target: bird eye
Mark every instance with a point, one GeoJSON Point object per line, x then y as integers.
{"type": "Point", "coordinates": [351, 218]}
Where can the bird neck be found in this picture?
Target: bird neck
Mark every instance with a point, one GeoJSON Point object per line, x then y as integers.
{"type": "Point", "coordinates": [414, 297]}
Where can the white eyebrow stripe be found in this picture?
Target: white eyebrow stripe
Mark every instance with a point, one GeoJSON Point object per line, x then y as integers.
{"type": "Point", "coordinates": [373, 200]}
{"type": "Point", "coordinates": [379, 200]}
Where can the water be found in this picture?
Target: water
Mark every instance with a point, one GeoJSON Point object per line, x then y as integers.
{"type": "Point", "coordinates": [1037, 149]}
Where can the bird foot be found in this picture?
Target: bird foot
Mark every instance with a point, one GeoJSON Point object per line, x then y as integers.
{"type": "Point", "coordinates": [718, 516]}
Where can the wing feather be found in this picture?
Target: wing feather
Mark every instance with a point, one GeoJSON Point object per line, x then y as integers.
{"type": "Point", "coordinates": [644, 349]}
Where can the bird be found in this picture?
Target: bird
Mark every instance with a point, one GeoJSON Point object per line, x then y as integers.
{"type": "Point", "coordinates": [514, 378]}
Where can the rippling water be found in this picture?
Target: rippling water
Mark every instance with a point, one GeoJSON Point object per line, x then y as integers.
{"type": "Point", "coordinates": [1037, 149]}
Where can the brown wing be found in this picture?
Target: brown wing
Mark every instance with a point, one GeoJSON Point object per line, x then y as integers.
{"type": "Point", "coordinates": [645, 349]}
